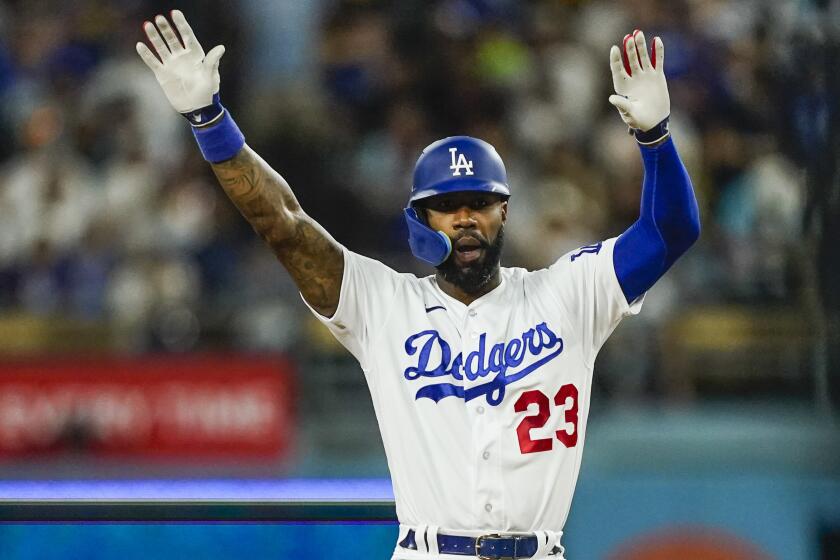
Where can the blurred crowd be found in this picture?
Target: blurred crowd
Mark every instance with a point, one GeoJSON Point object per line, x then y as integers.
{"type": "Point", "coordinates": [109, 214]}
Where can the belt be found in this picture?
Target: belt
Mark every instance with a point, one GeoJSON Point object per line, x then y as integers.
{"type": "Point", "coordinates": [492, 547]}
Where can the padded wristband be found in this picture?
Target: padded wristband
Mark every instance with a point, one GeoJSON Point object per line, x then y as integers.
{"type": "Point", "coordinates": [221, 141]}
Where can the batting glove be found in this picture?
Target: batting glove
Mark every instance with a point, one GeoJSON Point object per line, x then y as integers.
{"type": "Point", "coordinates": [189, 79]}
{"type": "Point", "coordinates": [641, 92]}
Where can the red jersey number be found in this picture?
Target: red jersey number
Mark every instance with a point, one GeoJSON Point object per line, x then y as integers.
{"type": "Point", "coordinates": [570, 415]}
{"type": "Point", "coordinates": [538, 420]}
{"type": "Point", "coordinates": [567, 436]}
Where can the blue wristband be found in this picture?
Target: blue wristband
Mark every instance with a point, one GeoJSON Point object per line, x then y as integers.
{"type": "Point", "coordinates": [221, 141]}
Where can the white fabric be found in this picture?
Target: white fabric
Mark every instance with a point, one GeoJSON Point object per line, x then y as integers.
{"type": "Point", "coordinates": [548, 540]}
{"type": "Point", "coordinates": [455, 463]}
{"type": "Point", "coordinates": [420, 539]}
{"type": "Point", "coordinates": [431, 538]}
{"type": "Point", "coordinates": [188, 77]}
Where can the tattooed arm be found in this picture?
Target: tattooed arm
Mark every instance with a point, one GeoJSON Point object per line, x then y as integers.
{"type": "Point", "coordinates": [310, 254]}
{"type": "Point", "coordinates": [190, 81]}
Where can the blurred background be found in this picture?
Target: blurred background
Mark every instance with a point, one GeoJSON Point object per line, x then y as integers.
{"type": "Point", "coordinates": [145, 331]}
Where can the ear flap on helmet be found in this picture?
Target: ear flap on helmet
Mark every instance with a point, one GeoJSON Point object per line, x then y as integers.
{"type": "Point", "coordinates": [427, 244]}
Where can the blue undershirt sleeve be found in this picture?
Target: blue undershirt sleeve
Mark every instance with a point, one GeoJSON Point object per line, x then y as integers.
{"type": "Point", "coordinates": [668, 224]}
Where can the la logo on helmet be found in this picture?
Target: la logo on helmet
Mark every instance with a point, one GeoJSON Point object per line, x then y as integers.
{"type": "Point", "coordinates": [460, 163]}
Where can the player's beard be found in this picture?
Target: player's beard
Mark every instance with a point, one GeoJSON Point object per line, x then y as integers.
{"type": "Point", "coordinates": [473, 277]}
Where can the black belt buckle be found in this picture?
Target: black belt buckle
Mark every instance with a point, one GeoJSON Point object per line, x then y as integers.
{"type": "Point", "coordinates": [478, 541]}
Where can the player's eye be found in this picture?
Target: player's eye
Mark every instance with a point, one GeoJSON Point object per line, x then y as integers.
{"type": "Point", "coordinates": [443, 205]}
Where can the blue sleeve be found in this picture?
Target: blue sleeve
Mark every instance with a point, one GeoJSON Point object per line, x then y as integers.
{"type": "Point", "coordinates": [668, 224]}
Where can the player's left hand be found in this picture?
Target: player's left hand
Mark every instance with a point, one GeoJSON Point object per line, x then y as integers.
{"type": "Point", "coordinates": [641, 93]}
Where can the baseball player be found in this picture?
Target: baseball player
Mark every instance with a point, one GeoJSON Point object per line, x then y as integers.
{"type": "Point", "coordinates": [480, 375]}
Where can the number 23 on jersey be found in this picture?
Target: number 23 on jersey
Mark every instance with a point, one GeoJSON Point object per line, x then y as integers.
{"type": "Point", "coordinates": [568, 435]}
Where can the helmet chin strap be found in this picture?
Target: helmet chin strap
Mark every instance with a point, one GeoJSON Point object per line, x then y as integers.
{"type": "Point", "coordinates": [427, 244]}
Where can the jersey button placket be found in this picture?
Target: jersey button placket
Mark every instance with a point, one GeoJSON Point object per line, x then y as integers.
{"type": "Point", "coordinates": [488, 477]}
{"type": "Point", "coordinates": [484, 422]}
{"type": "Point", "coordinates": [469, 343]}
{"type": "Point", "coordinates": [483, 428]}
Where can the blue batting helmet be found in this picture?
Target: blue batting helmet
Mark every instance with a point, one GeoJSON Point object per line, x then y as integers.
{"type": "Point", "coordinates": [454, 164]}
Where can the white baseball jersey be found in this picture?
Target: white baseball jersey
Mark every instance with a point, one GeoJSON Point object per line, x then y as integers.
{"type": "Point", "coordinates": [482, 407]}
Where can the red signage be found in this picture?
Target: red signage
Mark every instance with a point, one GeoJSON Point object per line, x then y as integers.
{"type": "Point", "coordinates": [170, 406]}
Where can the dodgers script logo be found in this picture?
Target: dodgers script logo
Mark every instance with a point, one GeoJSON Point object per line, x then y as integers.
{"type": "Point", "coordinates": [539, 342]}
{"type": "Point", "coordinates": [460, 164]}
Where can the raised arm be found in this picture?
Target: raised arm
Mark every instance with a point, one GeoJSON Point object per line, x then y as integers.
{"type": "Point", "coordinates": [669, 221]}
{"type": "Point", "coordinates": [310, 254]}
{"type": "Point", "coordinates": [190, 81]}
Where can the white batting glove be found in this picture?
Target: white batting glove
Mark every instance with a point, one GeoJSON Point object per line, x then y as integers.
{"type": "Point", "coordinates": [189, 79]}
{"type": "Point", "coordinates": [641, 92]}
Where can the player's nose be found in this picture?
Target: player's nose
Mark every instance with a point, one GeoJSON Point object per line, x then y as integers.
{"type": "Point", "coordinates": [464, 217]}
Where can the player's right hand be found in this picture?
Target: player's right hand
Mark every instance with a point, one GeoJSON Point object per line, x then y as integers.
{"type": "Point", "coordinates": [188, 77]}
